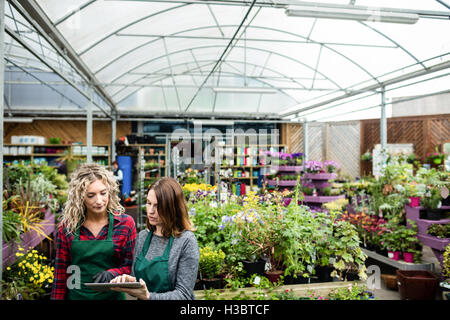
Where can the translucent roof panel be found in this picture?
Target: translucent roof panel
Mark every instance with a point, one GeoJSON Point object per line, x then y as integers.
{"type": "Point", "coordinates": [170, 57]}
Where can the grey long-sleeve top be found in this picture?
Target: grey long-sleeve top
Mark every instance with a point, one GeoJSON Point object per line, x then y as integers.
{"type": "Point", "coordinates": [183, 263]}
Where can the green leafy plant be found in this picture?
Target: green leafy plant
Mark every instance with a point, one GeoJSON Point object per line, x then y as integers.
{"type": "Point", "coordinates": [12, 226]}
{"type": "Point", "coordinates": [409, 241]}
{"type": "Point", "coordinates": [346, 246]}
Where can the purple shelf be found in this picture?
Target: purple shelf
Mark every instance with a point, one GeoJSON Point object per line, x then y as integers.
{"type": "Point", "coordinates": [433, 242]}
{"type": "Point", "coordinates": [322, 199]}
{"type": "Point", "coordinates": [413, 213]}
{"type": "Point", "coordinates": [282, 183]}
{"type": "Point", "coordinates": [288, 168]}
{"type": "Point", "coordinates": [29, 240]}
{"type": "Point", "coordinates": [320, 176]}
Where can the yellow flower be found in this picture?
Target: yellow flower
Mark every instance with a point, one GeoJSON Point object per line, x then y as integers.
{"type": "Point", "coordinates": [8, 268]}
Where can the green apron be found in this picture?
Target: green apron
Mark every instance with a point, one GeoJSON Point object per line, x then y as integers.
{"type": "Point", "coordinates": [155, 273]}
{"type": "Point", "coordinates": [93, 256]}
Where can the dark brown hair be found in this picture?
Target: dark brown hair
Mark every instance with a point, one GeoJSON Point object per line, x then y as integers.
{"type": "Point", "coordinates": [172, 208]}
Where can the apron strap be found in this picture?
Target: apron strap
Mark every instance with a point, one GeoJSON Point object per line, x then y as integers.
{"type": "Point", "coordinates": [147, 245]}
{"type": "Point", "coordinates": [111, 226]}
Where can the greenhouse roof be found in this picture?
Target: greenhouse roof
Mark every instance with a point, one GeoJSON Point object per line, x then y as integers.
{"type": "Point", "coordinates": [277, 59]}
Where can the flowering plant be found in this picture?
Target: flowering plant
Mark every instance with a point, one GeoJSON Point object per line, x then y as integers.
{"type": "Point", "coordinates": [29, 276]}
{"type": "Point", "coordinates": [331, 166]}
{"type": "Point", "coordinates": [258, 230]}
{"type": "Point", "coordinates": [369, 227]}
{"type": "Point", "coordinates": [211, 262]}
{"type": "Point", "coordinates": [312, 166]}
{"type": "Point", "coordinates": [197, 190]}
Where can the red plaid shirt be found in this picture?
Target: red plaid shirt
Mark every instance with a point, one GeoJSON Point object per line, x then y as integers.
{"type": "Point", "coordinates": [124, 238]}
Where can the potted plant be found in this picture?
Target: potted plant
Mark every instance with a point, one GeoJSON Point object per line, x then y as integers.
{"type": "Point", "coordinates": [349, 258]}
{"type": "Point", "coordinates": [210, 266]}
{"type": "Point", "coordinates": [436, 157]}
{"type": "Point", "coordinates": [431, 201]}
{"type": "Point", "coordinates": [410, 244]}
{"type": "Point", "coordinates": [367, 156]}
{"type": "Point", "coordinates": [414, 191]}
{"type": "Point", "coordinates": [313, 167]}
{"type": "Point", "coordinates": [391, 240]}
{"type": "Point", "coordinates": [331, 166]}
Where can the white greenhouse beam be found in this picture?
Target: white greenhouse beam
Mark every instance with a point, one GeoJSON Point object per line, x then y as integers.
{"type": "Point", "coordinates": [356, 13]}
{"type": "Point", "coordinates": [89, 127]}
{"type": "Point", "coordinates": [39, 20]}
{"type": "Point", "coordinates": [383, 121]}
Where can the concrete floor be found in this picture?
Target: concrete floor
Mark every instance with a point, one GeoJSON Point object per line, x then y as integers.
{"type": "Point", "coordinates": [388, 294]}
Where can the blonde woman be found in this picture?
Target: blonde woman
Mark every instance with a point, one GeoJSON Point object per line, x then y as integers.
{"type": "Point", "coordinates": [95, 239]}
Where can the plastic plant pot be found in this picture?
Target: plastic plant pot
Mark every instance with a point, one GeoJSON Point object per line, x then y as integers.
{"type": "Point", "coordinates": [408, 257]}
{"type": "Point", "coordinates": [414, 201]}
{"type": "Point", "coordinates": [394, 255]}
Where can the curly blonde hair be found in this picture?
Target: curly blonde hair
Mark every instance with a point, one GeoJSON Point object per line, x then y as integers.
{"type": "Point", "coordinates": [74, 213]}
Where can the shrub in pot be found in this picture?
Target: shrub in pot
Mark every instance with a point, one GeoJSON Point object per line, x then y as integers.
{"type": "Point", "coordinates": [210, 266]}
{"type": "Point", "coordinates": [431, 201]}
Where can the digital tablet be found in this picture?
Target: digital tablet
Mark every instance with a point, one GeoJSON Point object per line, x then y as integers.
{"type": "Point", "coordinates": [107, 286]}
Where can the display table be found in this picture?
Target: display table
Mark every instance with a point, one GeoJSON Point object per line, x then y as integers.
{"type": "Point", "coordinates": [402, 265]}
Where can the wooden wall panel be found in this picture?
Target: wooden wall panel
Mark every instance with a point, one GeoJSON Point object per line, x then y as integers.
{"type": "Point", "coordinates": [74, 131]}
{"type": "Point", "coordinates": [292, 136]}
{"type": "Point", "coordinates": [425, 133]}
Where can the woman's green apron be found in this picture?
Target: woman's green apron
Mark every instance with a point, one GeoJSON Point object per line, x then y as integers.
{"type": "Point", "coordinates": [93, 256]}
{"type": "Point", "coordinates": [155, 273]}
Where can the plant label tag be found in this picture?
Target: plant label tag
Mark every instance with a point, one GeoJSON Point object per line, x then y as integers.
{"type": "Point", "coordinates": [444, 192]}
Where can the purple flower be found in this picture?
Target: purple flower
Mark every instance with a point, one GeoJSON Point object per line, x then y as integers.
{"type": "Point", "coordinates": [313, 166]}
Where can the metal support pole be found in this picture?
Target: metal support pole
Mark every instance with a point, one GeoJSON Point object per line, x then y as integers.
{"type": "Point", "coordinates": [113, 136]}
{"type": "Point", "coordinates": [383, 121]}
{"type": "Point", "coordinates": [305, 141]}
{"type": "Point", "coordinates": [2, 81]}
{"type": "Point", "coordinates": [89, 127]}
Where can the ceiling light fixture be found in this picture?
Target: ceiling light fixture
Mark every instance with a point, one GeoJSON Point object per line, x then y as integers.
{"type": "Point", "coordinates": [244, 90]}
{"type": "Point", "coordinates": [21, 120]}
{"type": "Point", "coordinates": [345, 12]}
